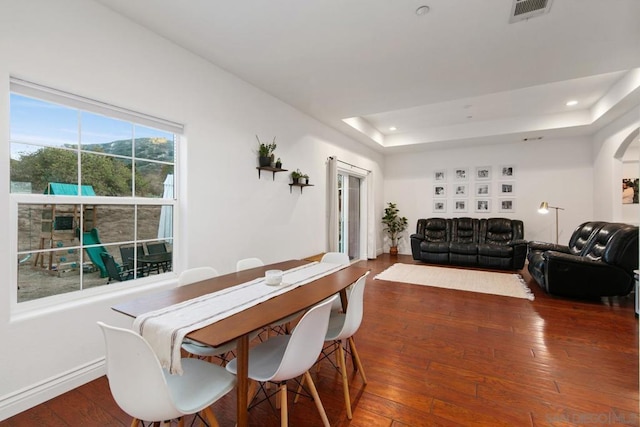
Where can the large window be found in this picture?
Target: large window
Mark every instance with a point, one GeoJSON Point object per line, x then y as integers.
{"type": "Point", "coordinates": [92, 188]}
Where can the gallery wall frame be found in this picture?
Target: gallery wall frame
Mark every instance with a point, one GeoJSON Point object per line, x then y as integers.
{"type": "Point", "coordinates": [461, 174]}
{"type": "Point", "coordinates": [460, 205]}
{"type": "Point", "coordinates": [440, 206]}
{"type": "Point", "coordinates": [440, 175]}
{"type": "Point", "coordinates": [507, 188]}
{"type": "Point", "coordinates": [483, 173]}
{"type": "Point", "coordinates": [507, 172]}
{"type": "Point", "coordinates": [440, 190]}
{"type": "Point", "coordinates": [483, 189]}
{"type": "Point", "coordinates": [483, 205]}
{"type": "Point", "coordinates": [460, 190]}
{"type": "Point", "coordinates": [507, 205]}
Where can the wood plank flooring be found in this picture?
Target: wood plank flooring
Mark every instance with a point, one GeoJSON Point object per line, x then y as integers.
{"type": "Point", "coordinates": [438, 357]}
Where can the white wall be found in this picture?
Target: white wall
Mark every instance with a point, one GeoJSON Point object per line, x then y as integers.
{"type": "Point", "coordinates": [557, 171]}
{"type": "Point", "coordinates": [609, 145]}
{"type": "Point", "coordinates": [227, 213]}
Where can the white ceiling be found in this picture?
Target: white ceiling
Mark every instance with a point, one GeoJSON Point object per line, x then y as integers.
{"type": "Point", "coordinates": [460, 74]}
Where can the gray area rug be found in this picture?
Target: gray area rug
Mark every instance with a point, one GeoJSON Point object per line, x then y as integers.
{"type": "Point", "coordinates": [505, 284]}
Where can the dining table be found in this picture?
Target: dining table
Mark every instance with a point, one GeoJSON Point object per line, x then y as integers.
{"type": "Point", "coordinates": [240, 325]}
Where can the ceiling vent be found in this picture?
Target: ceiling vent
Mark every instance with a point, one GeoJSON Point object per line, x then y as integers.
{"type": "Point", "coordinates": [525, 9]}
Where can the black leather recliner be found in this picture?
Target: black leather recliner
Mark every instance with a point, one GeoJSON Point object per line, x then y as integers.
{"type": "Point", "coordinates": [492, 243]}
{"type": "Point", "coordinates": [501, 244]}
{"type": "Point", "coordinates": [599, 260]}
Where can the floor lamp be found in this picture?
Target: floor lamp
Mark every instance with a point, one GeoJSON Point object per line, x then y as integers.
{"type": "Point", "coordinates": [544, 209]}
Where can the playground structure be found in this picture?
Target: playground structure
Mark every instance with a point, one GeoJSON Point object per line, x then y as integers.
{"type": "Point", "coordinates": [60, 225]}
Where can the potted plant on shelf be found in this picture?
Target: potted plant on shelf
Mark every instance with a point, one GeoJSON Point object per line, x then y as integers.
{"type": "Point", "coordinates": [278, 163]}
{"type": "Point", "coordinates": [305, 177]}
{"type": "Point", "coordinates": [394, 225]}
{"type": "Point", "coordinates": [265, 152]}
{"type": "Point", "coordinates": [295, 176]}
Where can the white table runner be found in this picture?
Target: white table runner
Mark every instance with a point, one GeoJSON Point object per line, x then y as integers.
{"type": "Point", "coordinates": [165, 329]}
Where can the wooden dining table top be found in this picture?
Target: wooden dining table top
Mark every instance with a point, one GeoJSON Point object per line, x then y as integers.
{"type": "Point", "coordinates": [252, 318]}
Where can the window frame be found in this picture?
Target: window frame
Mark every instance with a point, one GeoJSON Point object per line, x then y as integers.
{"type": "Point", "coordinates": [81, 104]}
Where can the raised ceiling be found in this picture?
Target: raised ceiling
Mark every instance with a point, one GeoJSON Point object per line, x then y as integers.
{"type": "Point", "coordinates": [460, 74]}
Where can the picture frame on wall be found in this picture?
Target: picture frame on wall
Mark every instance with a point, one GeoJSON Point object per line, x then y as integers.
{"type": "Point", "coordinates": [440, 175]}
{"type": "Point", "coordinates": [440, 190]}
{"type": "Point", "coordinates": [460, 205]}
{"type": "Point", "coordinates": [507, 188]}
{"type": "Point", "coordinates": [483, 173]}
{"type": "Point", "coordinates": [507, 172]}
{"type": "Point", "coordinates": [507, 205]}
{"type": "Point", "coordinates": [483, 205]}
{"type": "Point", "coordinates": [483, 189]}
{"type": "Point", "coordinates": [461, 174]}
{"type": "Point", "coordinates": [460, 190]}
{"type": "Point", "coordinates": [439, 205]}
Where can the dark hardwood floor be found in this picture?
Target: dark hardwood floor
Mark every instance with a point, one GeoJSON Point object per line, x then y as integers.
{"type": "Point", "coordinates": [437, 357]}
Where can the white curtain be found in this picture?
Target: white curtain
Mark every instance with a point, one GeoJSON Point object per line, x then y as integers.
{"type": "Point", "coordinates": [332, 204]}
{"type": "Point", "coordinates": [371, 219]}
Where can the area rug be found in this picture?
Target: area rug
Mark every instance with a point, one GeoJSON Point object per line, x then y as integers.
{"type": "Point", "coordinates": [506, 284]}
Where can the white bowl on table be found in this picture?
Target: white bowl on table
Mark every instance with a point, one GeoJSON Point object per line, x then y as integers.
{"type": "Point", "coordinates": [273, 277]}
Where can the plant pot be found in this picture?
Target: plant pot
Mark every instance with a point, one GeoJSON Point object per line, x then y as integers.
{"type": "Point", "coordinates": [264, 161]}
{"type": "Point", "coordinates": [302, 181]}
{"type": "Point", "coordinates": [393, 250]}
{"type": "Point", "coordinates": [278, 165]}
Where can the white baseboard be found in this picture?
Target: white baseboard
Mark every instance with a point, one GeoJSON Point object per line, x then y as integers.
{"type": "Point", "coordinates": [35, 394]}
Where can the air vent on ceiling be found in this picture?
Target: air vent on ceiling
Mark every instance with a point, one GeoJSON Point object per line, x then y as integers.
{"type": "Point", "coordinates": [525, 9]}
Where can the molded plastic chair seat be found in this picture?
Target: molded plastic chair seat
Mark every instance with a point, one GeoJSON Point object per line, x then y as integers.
{"type": "Point", "coordinates": [146, 391]}
{"type": "Point", "coordinates": [286, 357]}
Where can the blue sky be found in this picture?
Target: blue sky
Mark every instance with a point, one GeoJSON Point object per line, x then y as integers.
{"type": "Point", "coordinates": [43, 123]}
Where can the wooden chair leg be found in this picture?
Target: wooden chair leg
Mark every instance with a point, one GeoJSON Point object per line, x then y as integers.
{"type": "Point", "coordinates": [316, 399]}
{"type": "Point", "coordinates": [354, 351]}
{"type": "Point", "coordinates": [345, 381]}
{"type": "Point", "coordinates": [210, 416]}
{"type": "Point", "coordinates": [251, 391]}
{"type": "Point", "coordinates": [284, 420]}
{"type": "Point", "coordinates": [180, 422]}
{"type": "Point", "coordinates": [135, 422]}
{"type": "Point", "coordinates": [295, 399]}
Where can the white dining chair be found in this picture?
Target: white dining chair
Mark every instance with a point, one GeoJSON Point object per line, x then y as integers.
{"type": "Point", "coordinates": [247, 263]}
{"type": "Point", "coordinates": [194, 348]}
{"type": "Point", "coordinates": [337, 258]}
{"type": "Point", "coordinates": [282, 326]}
{"type": "Point", "coordinates": [342, 327]}
{"type": "Point", "coordinates": [147, 392]}
{"type": "Point", "coordinates": [285, 357]}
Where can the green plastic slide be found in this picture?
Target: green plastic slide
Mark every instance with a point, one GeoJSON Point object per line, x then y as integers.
{"type": "Point", "coordinates": [91, 238]}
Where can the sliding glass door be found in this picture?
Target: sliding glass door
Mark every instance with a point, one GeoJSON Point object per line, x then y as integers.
{"type": "Point", "coordinates": [350, 215]}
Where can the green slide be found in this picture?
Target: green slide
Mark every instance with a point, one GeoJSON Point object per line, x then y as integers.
{"type": "Point", "coordinates": [91, 238]}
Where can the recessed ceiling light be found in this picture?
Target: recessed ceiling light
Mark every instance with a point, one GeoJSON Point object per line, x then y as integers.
{"type": "Point", "coordinates": [422, 10]}
{"type": "Point", "coordinates": [571, 103]}
{"type": "Point", "coordinates": [392, 128]}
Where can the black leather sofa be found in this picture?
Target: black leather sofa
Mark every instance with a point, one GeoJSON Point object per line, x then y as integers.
{"type": "Point", "coordinates": [489, 242]}
{"type": "Point", "coordinates": [598, 261]}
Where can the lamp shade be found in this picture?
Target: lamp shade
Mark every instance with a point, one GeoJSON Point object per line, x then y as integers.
{"type": "Point", "coordinates": [544, 208]}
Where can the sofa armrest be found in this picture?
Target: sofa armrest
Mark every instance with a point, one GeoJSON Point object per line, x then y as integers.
{"type": "Point", "coordinates": [545, 246]}
{"type": "Point", "coordinates": [416, 239]}
{"type": "Point", "coordinates": [519, 253]}
{"type": "Point", "coordinates": [574, 275]}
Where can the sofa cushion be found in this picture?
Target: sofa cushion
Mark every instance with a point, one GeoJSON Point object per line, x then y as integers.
{"type": "Point", "coordinates": [500, 251]}
{"type": "Point", "coordinates": [463, 248]}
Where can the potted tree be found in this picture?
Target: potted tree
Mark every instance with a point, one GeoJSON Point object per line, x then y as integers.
{"type": "Point", "coordinates": [394, 225]}
{"type": "Point", "coordinates": [265, 152]}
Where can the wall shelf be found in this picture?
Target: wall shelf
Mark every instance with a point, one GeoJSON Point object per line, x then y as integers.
{"type": "Point", "coordinates": [299, 185]}
{"type": "Point", "coordinates": [269, 169]}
